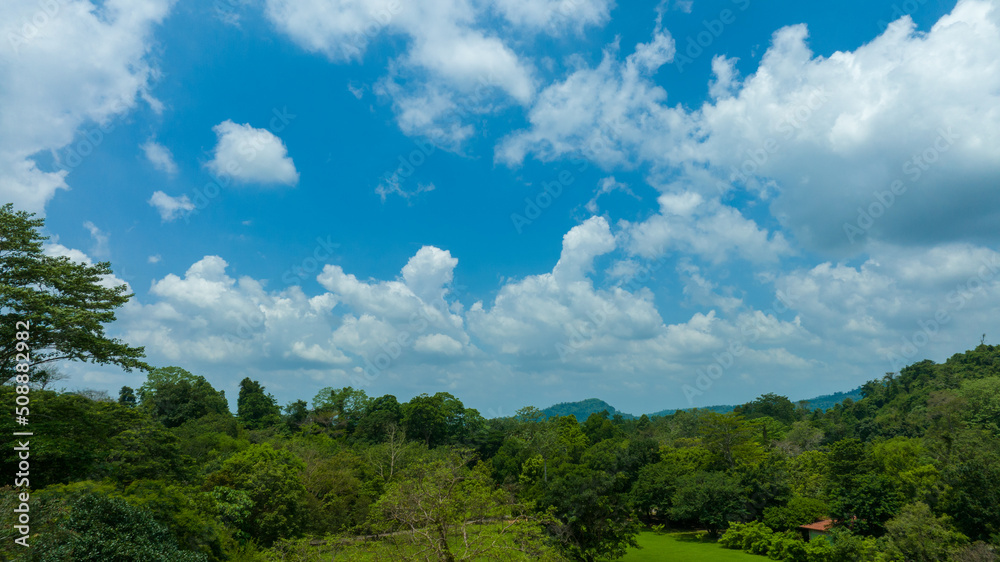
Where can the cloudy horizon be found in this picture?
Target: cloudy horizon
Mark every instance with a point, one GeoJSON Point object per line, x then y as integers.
{"type": "Point", "coordinates": [665, 205]}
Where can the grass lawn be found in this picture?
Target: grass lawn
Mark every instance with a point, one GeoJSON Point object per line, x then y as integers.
{"type": "Point", "coordinates": [693, 547]}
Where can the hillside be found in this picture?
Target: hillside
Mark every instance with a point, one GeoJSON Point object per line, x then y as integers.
{"type": "Point", "coordinates": [582, 409]}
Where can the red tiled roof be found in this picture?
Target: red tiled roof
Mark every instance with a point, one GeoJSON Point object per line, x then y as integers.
{"type": "Point", "coordinates": [821, 526]}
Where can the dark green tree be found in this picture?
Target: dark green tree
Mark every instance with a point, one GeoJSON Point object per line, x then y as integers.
{"type": "Point", "coordinates": [65, 303]}
{"type": "Point", "coordinates": [594, 520]}
{"type": "Point", "coordinates": [173, 396]}
{"type": "Point", "coordinates": [381, 414]}
{"type": "Point", "coordinates": [709, 499]}
{"type": "Point", "coordinates": [126, 397]}
{"type": "Point", "coordinates": [440, 419]}
{"type": "Point", "coordinates": [296, 414]}
{"type": "Point", "coordinates": [270, 479]}
{"type": "Point", "coordinates": [146, 451]}
{"type": "Point", "coordinates": [254, 407]}
{"type": "Point", "coordinates": [101, 528]}
{"type": "Point", "coordinates": [78, 433]}
{"type": "Point", "coordinates": [862, 496]}
{"type": "Point", "coordinates": [770, 404]}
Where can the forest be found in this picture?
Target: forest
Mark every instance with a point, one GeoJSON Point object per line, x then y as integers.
{"type": "Point", "coordinates": [166, 472]}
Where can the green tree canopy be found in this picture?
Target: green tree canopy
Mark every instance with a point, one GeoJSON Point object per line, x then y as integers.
{"type": "Point", "coordinates": [254, 407]}
{"type": "Point", "coordinates": [270, 479]}
{"type": "Point", "coordinates": [101, 528]}
{"type": "Point", "coordinates": [173, 396]}
{"type": "Point", "coordinates": [67, 303]}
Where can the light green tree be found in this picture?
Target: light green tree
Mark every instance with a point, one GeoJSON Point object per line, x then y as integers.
{"type": "Point", "coordinates": [448, 512]}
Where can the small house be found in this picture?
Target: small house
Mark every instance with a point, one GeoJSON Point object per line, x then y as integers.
{"type": "Point", "coordinates": [817, 529]}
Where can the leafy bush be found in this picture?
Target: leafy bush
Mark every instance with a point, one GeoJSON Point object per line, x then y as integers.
{"type": "Point", "coordinates": [787, 546]}
{"type": "Point", "coordinates": [744, 536]}
{"type": "Point", "coordinates": [101, 528]}
{"type": "Point", "coordinates": [798, 511]}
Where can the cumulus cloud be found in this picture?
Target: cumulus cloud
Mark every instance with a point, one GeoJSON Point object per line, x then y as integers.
{"type": "Point", "coordinates": [171, 208]}
{"type": "Point", "coordinates": [613, 113]}
{"type": "Point", "coordinates": [818, 138]}
{"type": "Point", "coordinates": [54, 87]}
{"type": "Point", "coordinates": [160, 157]}
{"type": "Point", "coordinates": [902, 304]}
{"type": "Point", "coordinates": [454, 68]}
{"type": "Point", "coordinates": [56, 249]}
{"type": "Point", "coordinates": [555, 16]}
{"type": "Point", "coordinates": [251, 155]}
{"type": "Point", "coordinates": [688, 223]}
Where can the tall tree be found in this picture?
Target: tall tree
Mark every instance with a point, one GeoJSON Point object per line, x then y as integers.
{"type": "Point", "coordinates": [64, 303]}
{"type": "Point", "coordinates": [256, 408]}
{"type": "Point", "coordinates": [126, 397]}
{"type": "Point", "coordinates": [173, 396]}
{"type": "Point", "coordinates": [269, 482]}
{"type": "Point", "coordinates": [448, 512]}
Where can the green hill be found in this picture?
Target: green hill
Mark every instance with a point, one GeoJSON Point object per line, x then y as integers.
{"type": "Point", "coordinates": [584, 408]}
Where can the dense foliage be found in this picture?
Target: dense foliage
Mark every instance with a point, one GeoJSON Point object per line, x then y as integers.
{"type": "Point", "coordinates": [907, 472]}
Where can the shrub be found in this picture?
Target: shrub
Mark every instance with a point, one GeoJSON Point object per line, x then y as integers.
{"type": "Point", "coordinates": [787, 546]}
{"type": "Point", "coordinates": [751, 537]}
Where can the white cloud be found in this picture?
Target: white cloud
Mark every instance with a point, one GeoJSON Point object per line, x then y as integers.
{"type": "Point", "coordinates": [902, 304]}
{"type": "Point", "coordinates": [605, 113]}
{"type": "Point", "coordinates": [555, 15]}
{"type": "Point", "coordinates": [100, 238]}
{"type": "Point", "coordinates": [251, 155]}
{"type": "Point", "coordinates": [160, 157]}
{"type": "Point", "coordinates": [171, 208]}
{"type": "Point", "coordinates": [391, 186]}
{"type": "Point", "coordinates": [561, 329]}
{"type": "Point", "coordinates": [54, 86]}
{"type": "Point", "coordinates": [453, 68]}
{"type": "Point", "coordinates": [606, 186]}
{"type": "Point", "coordinates": [689, 224]}
{"type": "Point", "coordinates": [58, 250]}
{"type": "Point", "coordinates": [437, 344]}
{"type": "Point", "coordinates": [816, 137]}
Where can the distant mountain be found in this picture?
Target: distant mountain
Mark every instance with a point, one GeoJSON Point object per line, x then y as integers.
{"type": "Point", "coordinates": [584, 408]}
{"type": "Point", "coordinates": [830, 400]}
{"type": "Point", "coordinates": [722, 409]}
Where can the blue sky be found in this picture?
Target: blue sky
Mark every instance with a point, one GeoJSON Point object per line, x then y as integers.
{"type": "Point", "coordinates": [662, 205]}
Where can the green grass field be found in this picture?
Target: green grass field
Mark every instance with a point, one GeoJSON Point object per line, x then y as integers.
{"type": "Point", "coordinates": [693, 547]}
